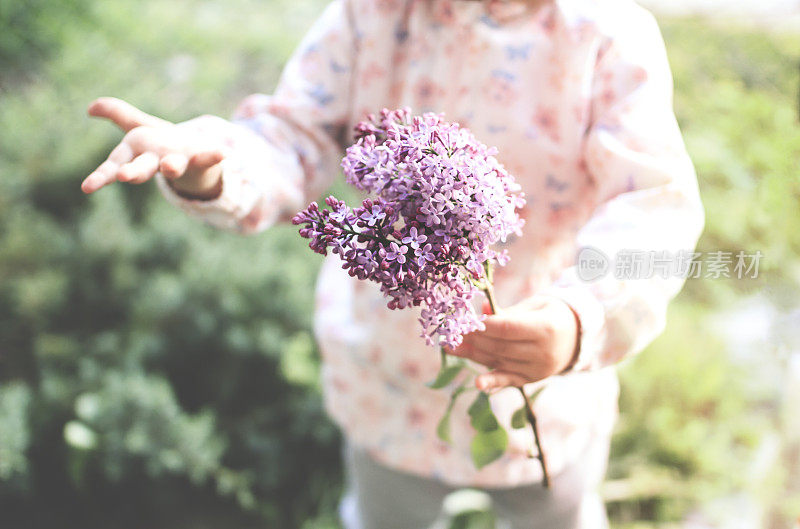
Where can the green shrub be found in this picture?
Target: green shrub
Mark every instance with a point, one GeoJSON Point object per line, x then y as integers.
{"type": "Point", "coordinates": [33, 30]}
{"type": "Point", "coordinates": [150, 364]}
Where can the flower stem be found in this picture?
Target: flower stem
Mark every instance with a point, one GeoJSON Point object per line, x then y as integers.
{"type": "Point", "coordinates": [488, 289]}
{"type": "Point", "coordinates": [539, 452]}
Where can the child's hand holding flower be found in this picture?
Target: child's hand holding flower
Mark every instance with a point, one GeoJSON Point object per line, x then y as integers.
{"type": "Point", "coordinates": [525, 343]}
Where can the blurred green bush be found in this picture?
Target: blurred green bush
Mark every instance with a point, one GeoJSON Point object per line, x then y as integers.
{"type": "Point", "coordinates": [692, 419]}
{"type": "Point", "coordinates": [154, 372]}
{"type": "Point", "coordinates": [33, 30]}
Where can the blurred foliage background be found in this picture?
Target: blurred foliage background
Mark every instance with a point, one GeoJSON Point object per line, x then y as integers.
{"type": "Point", "coordinates": [157, 373]}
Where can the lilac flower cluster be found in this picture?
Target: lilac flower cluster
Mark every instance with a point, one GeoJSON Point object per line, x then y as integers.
{"type": "Point", "coordinates": [439, 200]}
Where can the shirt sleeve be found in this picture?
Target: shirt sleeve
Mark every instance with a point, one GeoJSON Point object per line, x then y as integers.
{"type": "Point", "coordinates": [650, 206]}
{"type": "Point", "coordinates": [282, 150]}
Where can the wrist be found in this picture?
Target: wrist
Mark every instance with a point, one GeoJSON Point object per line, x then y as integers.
{"type": "Point", "coordinates": [576, 351]}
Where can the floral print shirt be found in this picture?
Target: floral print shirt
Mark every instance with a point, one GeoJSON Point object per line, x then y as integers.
{"type": "Point", "coordinates": [577, 96]}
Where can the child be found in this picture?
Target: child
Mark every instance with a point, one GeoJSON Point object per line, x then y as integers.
{"type": "Point", "coordinates": [577, 96]}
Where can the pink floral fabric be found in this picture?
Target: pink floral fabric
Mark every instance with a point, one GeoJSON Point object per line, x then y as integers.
{"type": "Point", "coordinates": [577, 96]}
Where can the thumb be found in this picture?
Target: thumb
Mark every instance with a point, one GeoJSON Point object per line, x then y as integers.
{"type": "Point", "coordinates": [123, 114]}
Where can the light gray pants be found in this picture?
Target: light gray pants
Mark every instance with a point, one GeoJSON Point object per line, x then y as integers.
{"type": "Point", "coordinates": [378, 497]}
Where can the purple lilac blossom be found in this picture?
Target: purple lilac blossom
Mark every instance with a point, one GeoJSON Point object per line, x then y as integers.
{"type": "Point", "coordinates": [438, 200]}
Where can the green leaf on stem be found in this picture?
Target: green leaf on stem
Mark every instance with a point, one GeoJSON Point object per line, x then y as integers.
{"type": "Point", "coordinates": [443, 428]}
{"type": "Point", "coordinates": [491, 440]}
{"type": "Point", "coordinates": [535, 394]}
{"type": "Point", "coordinates": [481, 415]}
{"type": "Point", "coordinates": [446, 375]}
{"type": "Point", "coordinates": [488, 446]}
{"type": "Point", "coordinates": [519, 419]}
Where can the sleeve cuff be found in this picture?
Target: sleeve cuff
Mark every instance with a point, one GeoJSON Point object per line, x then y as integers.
{"type": "Point", "coordinates": [235, 200]}
{"type": "Point", "coordinates": [591, 318]}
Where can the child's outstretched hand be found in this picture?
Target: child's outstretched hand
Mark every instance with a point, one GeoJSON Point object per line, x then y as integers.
{"type": "Point", "coordinates": [524, 343]}
{"type": "Point", "coordinates": [151, 145]}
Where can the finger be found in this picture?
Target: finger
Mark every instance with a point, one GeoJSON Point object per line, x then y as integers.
{"type": "Point", "coordinates": [125, 115]}
{"type": "Point", "coordinates": [173, 165]}
{"type": "Point", "coordinates": [203, 160]}
{"type": "Point", "coordinates": [499, 379]}
{"type": "Point", "coordinates": [121, 154]}
{"type": "Point", "coordinates": [522, 357]}
{"type": "Point", "coordinates": [141, 169]}
{"type": "Point", "coordinates": [103, 175]}
{"type": "Point", "coordinates": [513, 351]}
{"type": "Point", "coordinates": [482, 357]}
{"type": "Point", "coordinates": [107, 171]}
{"type": "Point", "coordinates": [520, 326]}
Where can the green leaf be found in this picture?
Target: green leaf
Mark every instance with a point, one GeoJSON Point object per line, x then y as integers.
{"type": "Point", "coordinates": [519, 419]}
{"type": "Point", "coordinates": [446, 375]}
{"type": "Point", "coordinates": [481, 415]}
{"type": "Point", "coordinates": [536, 394]}
{"type": "Point", "coordinates": [491, 439]}
{"type": "Point", "coordinates": [443, 428]}
{"type": "Point", "coordinates": [488, 446]}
